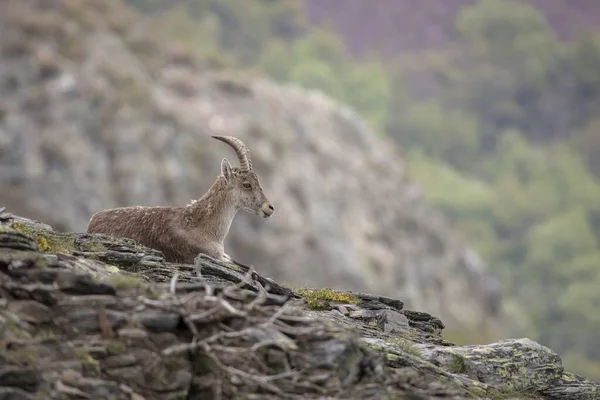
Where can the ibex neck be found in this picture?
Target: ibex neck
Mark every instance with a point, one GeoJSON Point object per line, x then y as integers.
{"type": "Point", "coordinates": [213, 213]}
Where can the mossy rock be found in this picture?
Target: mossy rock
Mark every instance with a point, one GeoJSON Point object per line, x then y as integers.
{"type": "Point", "coordinates": [321, 299]}
{"type": "Point", "coordinates": [14, 239]}
{"type": "Point", "coordinates": [47, 241]}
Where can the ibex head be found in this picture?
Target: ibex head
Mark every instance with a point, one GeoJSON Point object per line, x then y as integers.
{"type": "Point", "coordinates": [244, 183]}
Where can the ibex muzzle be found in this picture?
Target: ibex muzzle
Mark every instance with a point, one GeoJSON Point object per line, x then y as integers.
{"type": "Point", "coordinates": [267, 209]}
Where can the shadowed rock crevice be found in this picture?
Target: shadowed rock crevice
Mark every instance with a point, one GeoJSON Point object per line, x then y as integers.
{"type": "Point", "coordinates": [90, 316]}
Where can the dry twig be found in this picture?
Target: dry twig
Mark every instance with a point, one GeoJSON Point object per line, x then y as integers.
{"type": "Point", "coordinates": [234, 342]}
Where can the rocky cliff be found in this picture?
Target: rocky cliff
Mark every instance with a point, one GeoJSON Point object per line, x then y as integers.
{"type": "Point", "coordinates": [90, 316]}
{"type": "Point", "coordinates": [95, 112]}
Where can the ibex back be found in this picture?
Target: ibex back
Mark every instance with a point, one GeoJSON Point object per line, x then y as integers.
{"type": "Point", "coordinates": [181, 233]}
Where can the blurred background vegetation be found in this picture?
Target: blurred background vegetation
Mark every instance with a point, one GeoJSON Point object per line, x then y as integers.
{"type": "Point", "coordinates": [504, 136]}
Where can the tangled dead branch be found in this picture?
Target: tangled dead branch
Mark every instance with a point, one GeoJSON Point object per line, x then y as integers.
{"type": "Point", "coordinates": [241, 329]}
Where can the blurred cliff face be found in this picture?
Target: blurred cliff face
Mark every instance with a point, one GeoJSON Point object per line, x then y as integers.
{"type": "Point", "coordinates": [96, 116]}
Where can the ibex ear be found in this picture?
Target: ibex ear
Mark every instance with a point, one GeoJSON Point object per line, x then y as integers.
{"type": "Point", "coordinates": [226, 170]}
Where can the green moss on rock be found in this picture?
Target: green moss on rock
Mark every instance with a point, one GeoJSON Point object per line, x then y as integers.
{"type": "Point", "coordinates": [320, 299]}
{"type": "Point", "coordinates": [406, 345]}
{"type": "Point", "coordinates": [48, 242]}
{"type": "Point", "coordinates": [124, 282]}
{"type": "Point", "coordinates": [458, 365]}
{"type": "Point", "coordinates": [86, 359]}
{"type": "Point", "coordinates": [114, 347]}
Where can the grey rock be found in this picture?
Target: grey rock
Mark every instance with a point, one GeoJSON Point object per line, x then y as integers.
{"type": "Point", "coordinates": [159, 322]}
{"type": "Point", "coordinates": [346, 357]}
{"type": "Point", "coordinates": [87, 320]}
{"type": "Point", "coordinates": [88, 301]}
{"type": "Point", "coordinates": [3, 325]}
{"type": "Point", "coordinates": [126, 360]}
{"type": "Point", "coordinates": [572, 386]}
{"type": "Point", "coordinates": [13, 239]}
{"type": "Point", "coordinates": [394, 303]}
{"type": "Point", "coordinates": [507, 365]}
{"type": "Point", "coordinates": [58, 366]}
{"type": "Point", "coordinates": [424, 321]}
{"type": "Point", "coordinates": [133, 374]}
{"type": "Point", "coordinates": [82, 284]}
{"type": "Point", "coordinates": [45, 294]}
{"type": "Point", "coordinates": [7, 393]}
{"type": "Point", "coordinates": [96, 352]}
{"type": "Point", "coordinates": [22, 378]}
{"type": "Point", "coordinates": [31, 311]}
{"type": "Point", "coordinates": [133, 333]}
{"type": "Point", "coordinates": [372, 302]}
{"type": "Point", "coordinates": [391, 321]}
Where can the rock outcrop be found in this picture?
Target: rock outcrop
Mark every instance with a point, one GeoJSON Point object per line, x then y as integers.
{"type": "Point", "coordinates": [95, 112]}
{"type": "Point", "coordinates": [90, 316]}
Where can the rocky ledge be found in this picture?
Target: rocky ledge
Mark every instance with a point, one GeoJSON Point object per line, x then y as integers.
{"type": "Point", "coordinates": [90, 316]}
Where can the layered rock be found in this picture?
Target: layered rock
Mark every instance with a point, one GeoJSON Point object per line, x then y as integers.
{"type": "Point", "coordinates": [91, 316]}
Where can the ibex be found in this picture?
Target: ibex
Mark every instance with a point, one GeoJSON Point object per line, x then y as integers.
{"type": "Point", "coordinates": [181, 233]}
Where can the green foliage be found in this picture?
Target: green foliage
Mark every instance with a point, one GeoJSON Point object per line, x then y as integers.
{"type": "Point", "coordinates": [271, 60]}
{"type": "Point", "coordinates": [456, 195]}
{"type": "Point", "coordinates": [319, 61]}
{"type": "Point", "coordinates": [451, 135]}
{"type": "Point", "coordinates": [319, 45]}
{"type": "Point", "coordinates": [507, 30]}
{"type": "Point", "coordinates": [524, 197]}
{"type": "Point", "coordinates": [316, 75]}
{"type": "Point", "coordinates": [508, 54]}
{"type": "Point", "coordinates": [367, 88]}
{"type": "Point", "coordinates": [223, 27]}
{"type": "Point", "coordinates": [581, 298]}
{"type": "Point", "coordinates": [587, 143]}
{"type": "Point", "coordinates": [578, 69]}
{"type": "Point", "coordinates": [553, 242]}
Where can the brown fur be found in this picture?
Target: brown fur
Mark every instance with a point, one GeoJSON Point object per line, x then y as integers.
{"type": "Point", "coordinates": [181, 233]}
